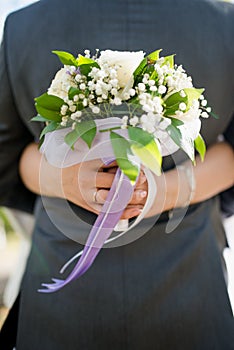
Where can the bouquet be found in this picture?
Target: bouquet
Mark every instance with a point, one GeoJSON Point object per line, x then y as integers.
{"type": "Point", "coordinates": [142, 107]}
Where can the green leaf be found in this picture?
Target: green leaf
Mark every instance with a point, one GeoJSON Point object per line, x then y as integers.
{"type": "Point", "coordinates": [169, 60]}
{"type": "Point", "coordinates": [85, 60]}
{"type": "Point", "coordinates": [149, 155]}
{"type": "Point", "coordinates": [66, 58]}
{"type": "Point", "coordinates": [175, 134]}
{"type": "Point", "coordinates": [122, 150]}
{"type": "Point", "coordinates": [139, 70]}
{"type": "Point", "coordinates": [73, 92]}
{"type": "Point", "coordinates": [200, 146]}
{"type": "Point", "coordinates": [85, 69]}
{"type": "Point", "coordinates": [154, 56]}
{"type": "Point", "coordinates": [51, 102]}
{"type": "Point", "coordinates": [172, 103]}
{"type": "Point", "coordinates": [85, 130]}
{"type": "Point", "coordinates": [49, 114]}
{"type": "Point", "coordinates": [147, 61]}
{"type": "Point", "coordinates": [39, 118]}
{"type": "Point", "coordinates": [139, 135]}
{"type": "Point", "coordinates": [176, 122]}
{"type": "Point", "coordinates": [145, 147]}
{"type": "Point", "coordinates": [48, 106]}
{"type": "Point", "coordinates": [214, 115]}
{"type": "Point", "coordinates": [192, 94]}
{"type": "Point", "coordinates": [86, 64]}
{"type": "Point", "coordinates": [41, 141]}
{"type": "Point", "coordinates": [71, 138]}
{"type": "Point", "coordinates": [50, 127]}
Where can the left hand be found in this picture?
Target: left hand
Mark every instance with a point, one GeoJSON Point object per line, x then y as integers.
{"type": "Point", "coordinates": [139, 196]}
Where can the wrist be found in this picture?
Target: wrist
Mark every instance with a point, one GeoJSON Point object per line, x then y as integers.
{"type": "Point", "coordinates": [175, 189]}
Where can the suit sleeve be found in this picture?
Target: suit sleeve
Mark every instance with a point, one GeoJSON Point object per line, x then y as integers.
{"type": "Point", "coordinates": [227, 197]}
{"type": "Point", "coordinates": [14, 136]}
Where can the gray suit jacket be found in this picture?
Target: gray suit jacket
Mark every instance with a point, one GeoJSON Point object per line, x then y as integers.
{"type": "Point", "coordinates": [162, 291]}
{"type": "Point", "coordinates": [200, 33]}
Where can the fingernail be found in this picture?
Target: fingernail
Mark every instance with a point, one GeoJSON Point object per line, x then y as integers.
{"type": "Point", "coordinates": [142, 179]}
{"type": "Point", "coordinates": [142, 194]}
{"type": "Point", "coordinates": [136, 212]}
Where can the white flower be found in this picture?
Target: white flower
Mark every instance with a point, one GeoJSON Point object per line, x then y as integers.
{"type": "Point", "coordinates": [85, 102]}
{"type": "Point", "coordinates": [78, 77]}
{"type": "Point", "coordinates": [164, 123]}
{"type": "Point", "coordinates": [96, 110]}
{"type": "Point", "coordinates": [82, 86]}
{"type": "Point", "coordinates": [76, 115]}
{"type": "Point", "coordinates": [117, 101]}
{"type": "Point", "coordinates": [182, 106]}
{"type": "Point", "coordinates": [204, 115]}
{"type": "Point", "coordinates": [132, 92]}
{"type": "Point", "coordinates": [61, 83]}
{"type": "Point", "coordinates": [114, 91]}
{"type": "Point", "coordinates": [204, 103]}
{"type": "Point", "coordinates": [87, 53]}
{"type": "Point", "coordinates": [125, 63]}
{"type": "Point", "coordinates": [72, 108]}
{"type": "Point", "coordinates": [162, 89]}
{"type": "Point", "coordinates": [192, 114]}
{"type": "Point", "coordinates": [134, 121]}
{"type": "Point", "coordinates": [141, 87]}
{"type": "Point", "coordinates": [64, 109]}
{"type": "Point", "coordinates": [182, 93]}
{"type": "Point", "coordinates": [151, 82]}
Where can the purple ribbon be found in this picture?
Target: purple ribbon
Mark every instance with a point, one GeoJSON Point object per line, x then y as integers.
{"type": "Point", "coordinates": [118, 197]}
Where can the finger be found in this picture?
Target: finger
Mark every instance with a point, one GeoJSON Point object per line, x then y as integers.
{"type": "Point", "coordinates": [112, 170]}
{"type": "Point", "coordinates": [101, 196]}
{"type": "Point", "coordinates": [130, 213]}
{"type": "Point", "coordinates": [113, 164]}
{"type": "Point", "coordinates": [104, 180]}
{"type": "Point", "coordinates": [141, 179]}
{"type": "Point", "coordinates": [139, 197]}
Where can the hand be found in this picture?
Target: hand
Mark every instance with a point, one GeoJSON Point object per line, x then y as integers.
{"type": "Point", "coordinates": [138, 199]}
{"type": "Point", "coordinates": [77, 183]}
{"type": "Point", "coordinates": [87, 185]}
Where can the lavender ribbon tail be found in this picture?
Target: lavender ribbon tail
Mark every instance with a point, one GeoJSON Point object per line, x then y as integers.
{"type": "Point", "coordinates": [118, 197]}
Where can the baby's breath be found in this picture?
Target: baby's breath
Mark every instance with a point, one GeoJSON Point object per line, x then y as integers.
{"type": "Point", "coordinates": [103, 85]}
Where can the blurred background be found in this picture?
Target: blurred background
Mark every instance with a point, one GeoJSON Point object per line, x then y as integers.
{"type": "Point", "coordinates": [16, 227]}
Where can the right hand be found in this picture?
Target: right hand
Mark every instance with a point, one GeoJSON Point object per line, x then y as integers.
{"type": "Point", "coordinates": [78, 183]}
{"type": "Point", "coordinates": [87, 185]}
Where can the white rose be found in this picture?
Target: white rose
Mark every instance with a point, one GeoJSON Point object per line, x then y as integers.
{"type": "Point", "coordinates": [126, 63]}
{"type": "Point", "coordinates": [192, 114]}
{"type": "Point", "coordinates": [61, 83]}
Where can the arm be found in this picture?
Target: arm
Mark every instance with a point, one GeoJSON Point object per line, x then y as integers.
{"type": "Point", "coordinates": [14, 136]}
{"type": "Point", "coordinates": [212, 176]}
{"type": "Point", "coordinates": [77, 183]}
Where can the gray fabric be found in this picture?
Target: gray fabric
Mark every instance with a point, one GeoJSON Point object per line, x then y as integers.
{"type": "Point", "coordinates": [161, 291]}
{"type": "Point", "coordinates": [227, 197]}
